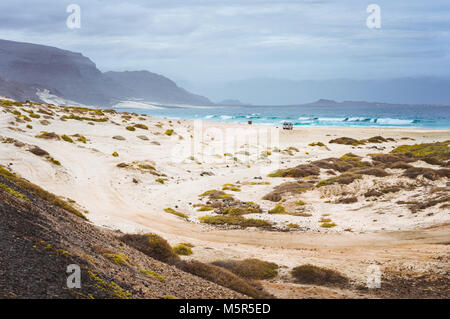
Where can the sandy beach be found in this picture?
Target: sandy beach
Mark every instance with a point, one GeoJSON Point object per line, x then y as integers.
{"type": "Point", "coordinates": [128, 170]}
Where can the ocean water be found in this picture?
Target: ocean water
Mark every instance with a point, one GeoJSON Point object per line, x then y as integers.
{"type": "Point", "coordinates": [437, 117]}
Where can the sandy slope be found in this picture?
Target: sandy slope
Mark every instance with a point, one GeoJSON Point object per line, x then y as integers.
{"type": "Point", "coordinates": [89, 176]}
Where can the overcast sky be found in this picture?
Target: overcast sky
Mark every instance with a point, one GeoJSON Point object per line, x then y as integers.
{"type": "Point", "coordinates": [195, 41]}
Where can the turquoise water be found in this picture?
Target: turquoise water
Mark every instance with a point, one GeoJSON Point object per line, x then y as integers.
{"type": "Point", "coordinates": [437, 117]}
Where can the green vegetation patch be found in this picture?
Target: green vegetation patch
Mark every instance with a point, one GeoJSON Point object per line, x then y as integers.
{"type": "Point", "coordinates": [13, 192]}
{"type": "Point", "coordinates": [250, 268]}
{"type": "Point", "coordinates": [153, 274]}
{"type": "Point", "coordinates": [278, 209]}
{"type": "Point", "coordinates": [310, 274]}
{"type": "Point", "coordinates": [67, 138]}
{"type": "Point", "coordinates": [169, 132]}
{"type": "Point", "coordinates": [432, 153]}
{"type": "Point", "coordinates": [182, 249]}
{"type": "Point", "coordinates": [152, 245]}
{"type": "Point", "coordinates": [176, 213]}
{"type": "Point", "coordinates": [234, 221]}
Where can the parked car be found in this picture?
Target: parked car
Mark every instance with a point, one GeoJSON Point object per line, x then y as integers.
{"type": "Point", "coordinates": [288, 126]}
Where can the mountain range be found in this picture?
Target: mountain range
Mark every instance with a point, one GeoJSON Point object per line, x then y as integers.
{"type": "Point", "coordinates": [27, 69]}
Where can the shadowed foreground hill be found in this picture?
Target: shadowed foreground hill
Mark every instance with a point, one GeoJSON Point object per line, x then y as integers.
{"type": "Point", "coordinates": [38, 240]}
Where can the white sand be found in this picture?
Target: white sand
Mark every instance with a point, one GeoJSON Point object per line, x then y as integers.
{"type": "Point", "coordinates": [89, 176]}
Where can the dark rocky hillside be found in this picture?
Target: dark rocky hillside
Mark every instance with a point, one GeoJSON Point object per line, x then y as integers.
{"type": "Point", "coordinates": [72, 76]}
{"type": "Point", "coordinates": [39, 239]}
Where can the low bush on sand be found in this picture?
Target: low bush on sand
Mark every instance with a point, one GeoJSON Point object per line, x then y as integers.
{"type": "Point", "coordinates": [310, 274]}
{"type": "Point", "coordinates": [215, 194]}
{"type": "Point", "coordinates": [48, 136]}
{"type": "Point", "coordinates": [278, 209]}
{"type": "Point", "coordinates": [234, 221]}
{"type": "Point", "coordinates": [36, 150]}
{"type": "Point", "coordinates": [289, 187]}
{"type": "Point", "coordinates": [182, 249]}
{"type": "Point", "coordinates": [66, 138]}
{"type": "Point", "coordinates": [84, 118]}
{"type": "Point", "coordinates": [303, 170]}
{"type": "Point", "coordinates": [205, 209]}
{"type": "Point", "coordinates": [223, 278]}
{"type": "Point", "coordinates": [347, 200]}
{"type": "Point", "coordinates": [82, 139]}
{"type": "Point", "coordinates": [343, 179]}
{"type": "Point", "coordinates": [169, 132]}
{"type": "Point", "coordinates": [141, 126]}
{"type": "Point", "coordinates": [428, 173]}
{"type": "Point", "coordinates": [317, 144]}
{"type": "Point", "coordinates": [250, 268]}
{"type": "Point", "coordinates": [328, 225]}
{"type": "Point", "coordinates": [130, 128]}
{"type": "Point", "coordinates": [432, 153]}
{"type": "Point", "coordinates": [152, 245]}
{"type": "Point", "coordinates": [174, 212]}
{"type": "Point", "coordinates": [115, 154]}
{"type": "Point", "coordinates": [346, 141]}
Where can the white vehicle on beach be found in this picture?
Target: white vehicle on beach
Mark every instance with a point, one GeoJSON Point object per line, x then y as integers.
{"type": "Point", "coordinates": [288, 126]}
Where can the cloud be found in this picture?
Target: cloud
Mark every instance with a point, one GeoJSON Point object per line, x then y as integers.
{"type": "Point", "coordinates": [219, 40]}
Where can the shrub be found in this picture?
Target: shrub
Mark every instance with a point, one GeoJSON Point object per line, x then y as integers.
{"type": "Point", "coordinates": [29, 126]}
{"type": "Point", "coordinates": [152, 274]}
{"type": "Point", "coordinates": [328, 225]}
{"type": "Point", "coordinates": [345, 179]}
{"type": "Point", "coordinates": [152, 245]}
{"type": "Point", "coordinates": [223, 278]}
{"type": "Point", "coordinates": [429, 152]}
{"type": "Point", "coordinates": [300, 203]}
{"type": "Point", "coordinates": [234, 221]}
{"type": "Point", "coordinates": [182, 249]}
{"type": "Point", "coordinates": [205, 209]}
{"type": "Point", "coordinates": [48, 136]}
{"type": "Point", "coordinates": [118, 259]}
{"type": "Point", "coordinates": [115, 154]}
{"type": "Point", "coordinates": [347, 141]}
{"type": "Point", "coordinates": [348, 200]}
{"type": "Point", "coordinates": [310, 274]}
{"type": "Point", "coordinates": [174, 212]}
{"type": "Point", "coordinates": [303, 170]}
{"type": "Point", "coordinates": [141, 126]}
{"type": "Point", "coordinates": [82, 139]}
{"type": "Point", "coordinates": [278, 209]}
{"type": "Point", "coordinates": [36, 150]}
{"type": "Point", "coordinates": [317, 144]}
{"type": "Point", "coordinates": [169, 132]}
{"type": "Point", "coordinates": [159, 180]}
{"type": "Point", "coordinates": [66, 138]}
{"type": "Point", "coordinates": [130, 128]}
{"type": "Point", "coordinates": [250, 268]}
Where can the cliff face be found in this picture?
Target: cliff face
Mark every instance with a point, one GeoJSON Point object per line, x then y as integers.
{"type": "Point", "coordinates": [76, 77]}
